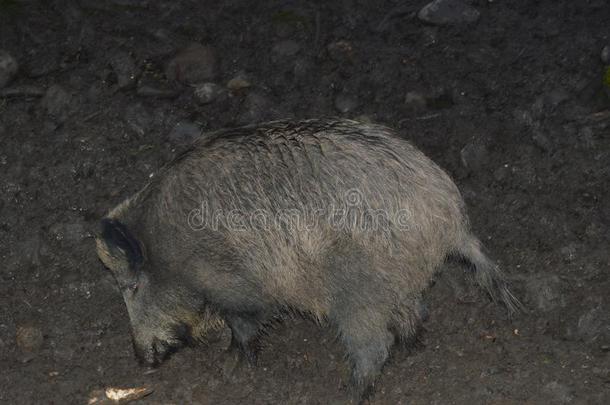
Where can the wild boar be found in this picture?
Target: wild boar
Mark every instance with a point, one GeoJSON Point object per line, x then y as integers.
{"type": "Point", "coordinates": [342, 221]}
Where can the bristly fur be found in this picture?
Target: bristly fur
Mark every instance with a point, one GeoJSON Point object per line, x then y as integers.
{"type": "Point", "coordinates": [363, 278]}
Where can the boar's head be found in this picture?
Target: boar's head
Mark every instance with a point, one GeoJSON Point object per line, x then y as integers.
{"type": "Point", "coordinates": [164, 314]}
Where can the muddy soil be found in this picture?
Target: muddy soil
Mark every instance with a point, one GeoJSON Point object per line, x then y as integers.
{"type": "Point", "coordinates": [510, 100]}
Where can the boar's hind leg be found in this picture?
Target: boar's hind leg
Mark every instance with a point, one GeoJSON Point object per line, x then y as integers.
{"type": "Point", "coordinates": [244, 333]}
{"type": "Point", "coordinates": [367, 340]}
{"type": "Point", "coordinates": [406, 320]}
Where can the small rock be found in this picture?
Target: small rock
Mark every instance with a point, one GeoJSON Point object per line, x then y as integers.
{"type": "Point", "coordinates": [29, 338]}
{"type": "Point", "coordinates": [537, 108]}
{"type": "Point", "coordinates": [302, 67]}
{"type": "Point", "coordinates": [545, 292]}
{"type": "Point", "coordinates": [541, 140]}
{"type": "Point", "coordinates": [33, 249]}
{"type": "Point", "coordinates": [284, 29]}
{"type": "Point", "coordinates": [42, 63]}
{"type": "Point", "coordinates": [447, 12]}
{"type": "Point", "coordinates": [184, 132]}
{"type": "Point", "coordinates": [194, 64]}
{"type": "Point", "coordinates": [430, 35]}
{"type": "Point", "coordinates": [474, 155]}
{"type": "Point", "coordinates": [569, 252]}
{"type": "Point", "coordinates": [587, 137]}
{"type": "Point", "coordinates": [286, 48]}
{"type": "Point", "coordinates": [8, 68]}
{"type": "Point", "coordinates": [138, 119]}
{"type": "Point", "coordinates": [157, 90]}
{"type": "Point", "coordinates": [556, 97]}
{"type": "Point", "coordinates": [23, 90]}
{"type": "Point", "coordinates": [340, 51]}
{"type": "Point", "coordinates": [502, 172]}
{"type": "Point", "coordinates": [240, 81]}
{"type": "Point", "coordinates": [207, 92]}
{"type": "Point", "coordinates": [257, 108]}
{"type": "Point", "coordinates": [523, 117]}
{"type": "Point", "coordinates": [415, 102]}
{"type": "Point", "coordinates": [593, 324]}
{"type": "Point", "coordinates": [125, 69]}
{"type": "Point", "coordinates": [345, 103]}
{"type": "Point", "coordinates": [70, 232]}
{"type": "Point", "coordinates": [440, 99]}
{"type": "Point", "coordinates": [559, 392]}
{"type": "Point", "coordinates": [56, 102]}
{"type": "Point", "coordinates": [605, 55]}
{"type": "Point", "coordinates": [603, 373]}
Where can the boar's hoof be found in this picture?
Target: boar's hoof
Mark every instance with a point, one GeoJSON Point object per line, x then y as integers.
{"type": "Point", "coordinates": [231, 363]}
{"type": "Point", "coordinates": [237, 358]}
{"type": "Point", "coordinates": [244, 334]}
{"type": "Point", "coordinates": [244, 352]}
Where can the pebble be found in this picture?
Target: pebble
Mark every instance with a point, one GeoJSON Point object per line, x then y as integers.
{"type": "Point", "coordinates": [440, 98]}
{"type": "Point", "coordinates": [340, 51]}
{"type": "Point", "coordinates": [541, 140]}
{"type": "Point", "coordinates": [345, 103]}
{"type": "Point", "coordinates": [194, 64]}
{"type": "Point", "coordinates": [33, 249]}
{"type": "Point", "coordinates": [524, 117]}
{"type": "Point", "coordinates": [42, 63]}
{"type": "Point", "coordinates": [561, 393]}
{"type": "Point", "coordinates": [56, 102]}
{"type": "Point", "coordinates": [156, 90]}
{"type": "Point", "coordinates": [286, 48]}
{"type": "Point", "coordinates": [502, 172]}
{"type": "Point", "coordinates": [556, 97]}
{"type": "Point", "coordinates": [594, 323]}
{"type": "Point", "coordinates": [587, 137]}
{"type": "Point", "coordinates": [474, 155]}
{"type": "Point", "coordinates": [240, 81]}
{"type": "Point", "coordinates": [569, 251]}
{"type": "Point", "coordinates": [29, 338]}
{"type": "Point", "coordinates": [302, 67]}
{"type": "Point", "coordinates": [430, 36]}
{"type": "Point", "coordinates": [23, 90]}
{"type": "Point", "coordinates": [71, 232]}
{"type": "Point", "coordinates": [138, 118]}
{"type": "Point", "coordinates": [545, 292]}
{"type": "Point", "coordinates": [184, 132]}
{"type": "Point", "coordinates": [257, 108]}
{"type": "Point", "coordinates": [124, 68]}
{"type": "Point", "coordinates": [207, 92]}
{"type": "Point", "coordinates": [605, 55]}
{"type": "Point", "coordinates": [448, 12]}
{"type": "Point", "coordinates": [8, 68]}
{"type": "Point", "coordinates": [415, 101]}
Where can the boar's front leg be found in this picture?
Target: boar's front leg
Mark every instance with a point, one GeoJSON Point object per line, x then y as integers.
{"type": "Point", "coordinates": [244, 334]}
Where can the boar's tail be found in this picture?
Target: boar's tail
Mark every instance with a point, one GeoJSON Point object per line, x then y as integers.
{"type": "Point", "coordinates": [488, 275]}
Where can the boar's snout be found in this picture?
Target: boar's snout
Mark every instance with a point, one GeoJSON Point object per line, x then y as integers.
{"type": "Point", "coordinates": [152, 351]}
{"type": "Point", "coordinates": [152, 354]}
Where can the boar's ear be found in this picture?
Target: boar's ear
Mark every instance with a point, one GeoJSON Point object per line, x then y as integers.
{"type": "Point", "coordinates": [117, 248]}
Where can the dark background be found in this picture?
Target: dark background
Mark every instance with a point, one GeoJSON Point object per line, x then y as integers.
{"type": "Point", "coordinates": [512, 103]}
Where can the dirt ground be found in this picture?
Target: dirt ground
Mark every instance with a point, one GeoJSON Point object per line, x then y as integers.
{"type": "Point", "coordinates": [513, 105]}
